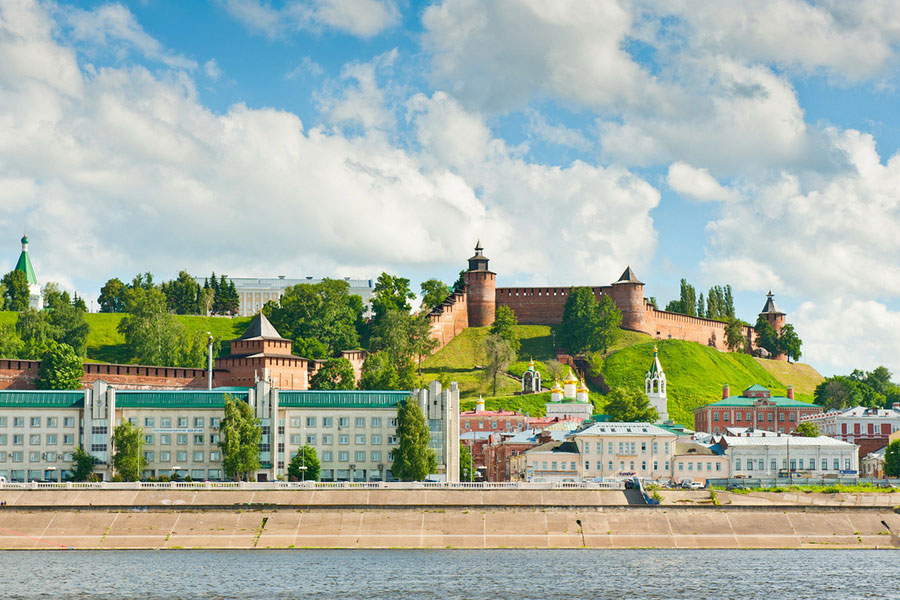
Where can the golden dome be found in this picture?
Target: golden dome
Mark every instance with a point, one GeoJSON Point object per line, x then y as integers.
{"type": "Point", "coordinates": [556, 387]}
{"type": "Point", "coordinates": [583, 387]}
{"type": "Point", "coordinates": [570, 378]}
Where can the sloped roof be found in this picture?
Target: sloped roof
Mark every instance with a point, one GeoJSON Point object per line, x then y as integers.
{"type": "Point", "coordinates": [770, 305]}
{"type": "Point", "coordinates": [628, 276]}
{"type": "Point", "coordinates": [779, 401]}
{"type": "Point", "coordinates": [41, 398]}
{"type": "Point", "coordinates": [24, 265]}
{"type": "Point", "coordinates": [261, 329]}
{"type": "Point", "coordinates": [756, 388]}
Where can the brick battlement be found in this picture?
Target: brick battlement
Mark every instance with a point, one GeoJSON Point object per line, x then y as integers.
{"type": "Point", "coordinates": [450, 318]}
{"type": "Point", "coordinates": [539, 305]}
{"type": "Point", "coordinates": [21, 375]}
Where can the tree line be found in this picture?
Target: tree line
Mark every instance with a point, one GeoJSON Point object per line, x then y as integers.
{"type": "Point", "coordinates": [183, 295]}
{"type": "Point", "coordinates": [873, 389]}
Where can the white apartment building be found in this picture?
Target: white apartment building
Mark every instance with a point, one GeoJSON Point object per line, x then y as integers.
{"type": "Point", "coordinates": [775, 455]}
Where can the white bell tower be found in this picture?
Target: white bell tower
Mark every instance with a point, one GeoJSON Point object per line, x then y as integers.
{"type": "Point", "coordinates": [655, 387]}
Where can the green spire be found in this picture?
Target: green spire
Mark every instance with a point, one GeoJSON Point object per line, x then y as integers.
{"type": "Point", "coordinates": [24, 263]}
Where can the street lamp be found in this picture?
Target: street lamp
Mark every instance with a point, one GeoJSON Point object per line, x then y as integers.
{"type": "Point", "coordinates": [352, 472]}
{"type": "Point", "coordinates": [209, 341]}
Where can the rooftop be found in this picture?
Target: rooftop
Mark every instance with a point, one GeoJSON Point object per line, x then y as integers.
{"type": "Point", "coordinates": [280, 283]}
{"type": "Point", "coordinates": [784, 440]}
{"type": "Point", "coordinates": [177, 398]}
{"type": "Point", "coordinates": [261, 329]}
{"type": "Point", "coordinates": [625, 429]}
{"type": "Point", "coordinates": [341, 398]}
{"type": "Point", "coordinates": [41, 398]}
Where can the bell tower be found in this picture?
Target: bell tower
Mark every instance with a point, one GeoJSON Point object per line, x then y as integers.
{"type": "Point", "coordinates": [655, 387]}
{"type": "Point", "coordinates": [481, 290]}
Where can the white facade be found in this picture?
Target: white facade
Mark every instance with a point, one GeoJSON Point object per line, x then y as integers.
{"type": "Point", "coordinates": [858, 423]}
{"type": "Point", "coordinates": [625, 449]}
{"type": "Point", "coordinates": [770, 455]}
{"type": "Point", "coordinates": [655, 388]}
{"type": "Point", "coordinates": [254, 292]}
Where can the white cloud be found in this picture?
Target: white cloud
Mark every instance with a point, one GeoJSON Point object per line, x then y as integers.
{"type": "Point", "coordinates": [362, 18]}
{"type": "Point", "coordinates": [697, 184]}
{"type": "Point", "coordinates": [113, 27]}
{"type": "Point", "coordinates": [307, 66]}
{"type": "Point", "coordinates": [212, 69]}
{"type": "Point", "coordinates": [359, 100]}
{"type": "Point", "coordinates": [560, 135]}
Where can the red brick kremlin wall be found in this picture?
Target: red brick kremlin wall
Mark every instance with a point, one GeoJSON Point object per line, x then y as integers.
{"type": "Point", "coordinates": [22, 374]}
{"type": "Point", "coordinates": [449, 319]}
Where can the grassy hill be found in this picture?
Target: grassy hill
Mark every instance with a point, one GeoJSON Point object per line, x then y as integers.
{"type": "Point", "coordinates": [695, 373]}
{"type": "Point", "coordinates": [106, 344]}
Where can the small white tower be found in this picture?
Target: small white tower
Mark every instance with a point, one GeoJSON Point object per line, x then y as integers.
{"type": "Point", "coordinates": [556, 392]}
{"type": "Point", "coordinates": [655, 387]}
{"type": "Point", "coordinates": [582, 394]}
{"type": "Point", "coordinates": [479, 404]}
{"type": "Point", "coordinates": [531, 379]}
{"type": "Point", "coordinates": [570, 386]}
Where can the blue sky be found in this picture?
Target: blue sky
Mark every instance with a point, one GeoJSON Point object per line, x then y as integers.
{"type": "Point", "coordinates": [327, 137]}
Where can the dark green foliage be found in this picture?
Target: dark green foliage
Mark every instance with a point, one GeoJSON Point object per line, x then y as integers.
{"type": "Point", "coordinates": [334, 374]}
{"type": "Point", "coordinates": [325, 312]}
{"type": "Point", "coordinates": [153, 335]}
{"type": "Point", "coordinates": [466, 466]}
{"type": "Point", "coordinates": [789, 342]}
{"type": "Point", "coordinates": [588, 325]}
{"type": "Point", "coordinates": [182, 294]}
{"type": "Point", "coordinates": [629, 406]}
{"type": "Point", "coordinates": [504, 325]}
{"type": "Point", "coordinates": [112, 296]}
{"type": "Point", "coordinates": [15, 291]}
{"type": "Point", "coordinates": [808, 430]}
{"type": "Point", "coordinates": [403, 338]}
{"type": "Point", "coordinates": [498, 353]}
{"type": "Point", "coordinates": [304, 465]}
{"type": "Point", "coordinates": [434, 292]}
{"type": "Point", "coordinates": [766, 336]}
{"type": "Point", "coordinates": [381, 373]}
{"type": "Point", "coordinates": [61, 368]}
{"type": "Point", "coordinates": [392, 293]}
{"type": "Point", "coordinates": [82, 465]}
{"type": "Point", "coordinates": [413, 459]}
{"type": "Point", "coordinates": [128, 451]}
{"type": "Point", "coordinates": [79, 303]}
{"type": "Point", "coordinates": [11, 345]}
{"type": "Point", "coordinates": [873, 389]}
{"type": "Point", "coordinates": [718, 303]}
{"type": "Point", "coordinates": [892, 459]}
{"type": "Point", "coordinates": [734, 335]}
{"type": "Point", "coordinates": [240, 434]}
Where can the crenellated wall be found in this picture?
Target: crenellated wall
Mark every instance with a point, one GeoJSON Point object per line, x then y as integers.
{"type": "Point", "coordinates": [450, 318]}
{"type": "Point", "coordinates": [539, 305]}
{"type": "Point", "coordinates": [22, 375]}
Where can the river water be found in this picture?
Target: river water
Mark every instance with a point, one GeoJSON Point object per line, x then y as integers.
{"type": "Point", "coordinates": [451, 574]}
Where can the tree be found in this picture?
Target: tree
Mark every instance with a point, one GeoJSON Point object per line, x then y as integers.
{"type": "Point", "coordinates": [304, 466]}
{"type": "Point", "coordinates": [78, 303]}
{"type": "Point", "coordinates": [498, 354]}
{"type": "Point", "coordinates": [466, 467]}
{"type": "Point", "coordinates": [630, 406]}
{"type": "Point", "coordinates": [112, 296]}
{"type": "Point", "coordinates": [154, 337]}
{"type": "Point", "coordinates": [401, 337]}
{"type": "Point", "coordinates": [789, 342]}
{"type": "Point", "coordinates": [422, 343]}
{"type": "Point", "coordinates": [206, 298]}
{"type": "Point", "coordinates": [240, 434]}
{"type": "Point", "coordinates": [11, 345]}
{"type": "Point", "coordinates": [434, 292]}
{"type": "Point", "coordinates": [61, 368]}
{"type": "Point", "coordinates": [67, 323]}
{"type": "Point", "coordinates": [334, 374]}
{"type": "Point", "coordinates": [734, 335]}
{"type": "Point", "coordinates": [413, 459]}
{"type": "Point", "coordinates": [892, 459]}
{"type": "Point", "coordinates": [808, 430]}
{"type": "Point", "coordinates": [609, 319]}
{"type": "Point", "coordinates": [589, 325]}
{"type": "Point", "coordinates": [766, 336]}
{"type": "Point", "coordinates": [687, 302]}
{"type": "Point", "coordinates": [379, 372]}
{"type": "Point", "coordinates": [555, 369]}
{"type": "Point", "coordinates": [504, 325]}
{"type": "Point", "coordinates": [15, 291]}
{"type": "Point", "coordinates": [82, 465]}
{"type": "Point", "coordinates": [324, 311]}
{"type": "Point", "coordinates": [391, 293]}
{"type": "Point", "coordinates": [128, 451]}
{"type": "Point", "coordinates": [835, 393]}
{"type": "Point", "coordinates": [182, 294]}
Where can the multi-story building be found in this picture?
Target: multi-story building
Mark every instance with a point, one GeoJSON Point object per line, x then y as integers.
{"type": "Point", "coordinates": [556, 460]}
{"type": "Point", "coordinates": [491, 420]}
{"type": "Point", "coordinates": [353, 432]}
{"type": "Point", "coordinates": [868, 428]}
{"type": "Point", "coordinates": [254, 292]}
{"type": "Point", "coordinates": [694, 461]}
{"type": "Point", "coordinates": [500, 454]}
{"type": "Point", "coordinates": [756, 407]}
{"type": "Point", "coordinates": [626, 449]}
{"type": "Point", "coordinates": [764, 454]}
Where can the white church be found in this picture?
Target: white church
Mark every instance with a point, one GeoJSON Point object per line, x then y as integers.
{"type": "Point", "coordinates": [655, 387]}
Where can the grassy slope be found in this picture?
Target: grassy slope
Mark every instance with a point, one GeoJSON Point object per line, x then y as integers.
{"type": "Point", "coordinates": [106, 344]}
{"type": "Point", "coordinates": [695, 374]}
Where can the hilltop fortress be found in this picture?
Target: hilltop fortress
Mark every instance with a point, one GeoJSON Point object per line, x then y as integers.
{"type": "Point", "coordinates": [475, 304]}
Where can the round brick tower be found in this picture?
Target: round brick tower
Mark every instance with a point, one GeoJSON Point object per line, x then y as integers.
{"type": "Point", "coordinates": [481, 290]}
{"type": "Point", "coordinates": [628, 294]}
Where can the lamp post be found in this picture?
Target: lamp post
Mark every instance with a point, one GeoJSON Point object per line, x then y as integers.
{"type": "Point", "coordinates": [209, 341]}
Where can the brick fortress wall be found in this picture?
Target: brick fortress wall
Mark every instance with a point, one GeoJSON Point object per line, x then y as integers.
{"type": "Point", "coordinates": [22, 375]}
{"type": "Point", "coordinates": [450, 318]}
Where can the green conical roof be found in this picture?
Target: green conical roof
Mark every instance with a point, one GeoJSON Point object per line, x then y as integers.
{"type": "Point", "coordinates": [24, 263]}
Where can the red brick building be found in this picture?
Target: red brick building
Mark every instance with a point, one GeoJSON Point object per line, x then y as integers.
{"type": "Point", "coordinates": [757, 408]}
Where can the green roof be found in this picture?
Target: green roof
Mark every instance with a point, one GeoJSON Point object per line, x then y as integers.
{"type": "Point", "coordinates": [675, 428]}
{"type": "Point", "coordinates": [747, 401]}
{"type": "Point", "coordinates": [41, 398]}
{"type": "Point", "coordinates": [24, 265]}
{"type": "Point", "coordinates": [756, 388]}
{"type": "Point", "coordinates": [341, 398]}
{"type": "Point", "coordinates": [175, 398]}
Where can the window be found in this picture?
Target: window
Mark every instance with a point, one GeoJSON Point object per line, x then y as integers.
{"type": "Point", "coordinates": [198, 422]}
{"type": "Point", "coordinates": [181, 439]}
{"type": "Point", "coordinates": [360, 439]}
{"type": "Point", "coordinates": [680, 466]}
{"type": "Point", "coordinates": [3, 439]}
{"type": "Point", "coordinates": [709, 466]}
{"type": "Point", "coordinates": [360, 456]}
{"type": "Point", "coordinates": [295, 439]}
{"type": "Point", "coordinates": [643, 447]}
{"type": "Point", "coordinates": [344, 422]}
{"type": "Point", "coordinates": [2, 421]}
{"type": "Point", "coordinates": [392, 422]}
{"type": "Point", "coordinates": [34, 439]}
{"type": "Point", "coordinates": [812, 464]}
{"type": "Point", "coordinates": [327, 439]}
{"type": "Point", "coordinates": [51, 422]}
{"type": "Point", "coordinates": [165, 456]}
{"type": "Point", "coordinates": [837, 464]}
{"type": "Point", "coordinates": [749, 464]}
{"type": "Point", "coordinates": [68, 439]}
{"type": "Point", "coordinates": [655, 448]}
{"type": "Point", "coordinates": [792, 417]}
{"type": "Point", "coordinates": [571, 466]}
{"type": "Point", "coordinates": [215, 456]}
{"type": "Point", "coordinates": [376, 439]}
{"type": "Point", "coordinates": [310, 421]}
{"type": "Point", "coordinates": [326, 456]}
{"type": "Point", "coordinates": [718, 466]}
{"type": "Point", "coordinates": [609, 447]}
{"type": "Point", "coordinates": [2, 456]}
{"type": "Point", "coordinates": [343, 439]}
{"type": "Point", "coordinates": [296, 421]}
{"type": "Point", "coordinates": [631, 465]}
{"type": "Point", "coordinates": [773, 465]}
{"type": "Point", "coordinates": [311, 439]}
{"type": "Point", "coordinates": [148, 439]}
{"type": "Point", "coordinates": [655, 465]}
{"type": "Point", "coordinates": [553, 465]}
{"type": "Point", "coordinates": [165, 422]}
{"type": "Point", "coordinates": [148, 421]}
{"type": "Point", "coordinates": [725, 416]}
{"type": "Point", "coordinates": [392, 439]}
{"type": "Point", "coordinates": [343, 456]}
{"type": "Point", "coordinates": [375, 421]}
{"type": "Point", "coordinates": [198, 439]}
{"type": "Point", "coordinates": [376, 455]}
{"type": "Point", "coordinates": [360, 421]}
{"type": "Point", "coordinates": [214, 423]}
{"type": "Point", "coordinates": [181, 456]}
{"type": "Point", "coordinates": [327, 422]}
{"type": "Point", "coordinates": [610, 465]}
{"type": "Point", "coordinates": [800, 464]}
{"type": "Point", "coordinates": [737, 465]}
{"type": "Point", "coordinates": [715, 416]}
{"type": "Point", "coordinates": [666, 446]}
{"type": "Point", "coordinates": [781, 416]}
{"type": "Point", "coordinates": [214, 438]}
{"type": "Point", "coordinates": [770, 418]}
{"type": "Point", "coordinates": [18, 439]}
{"type": "Point", "coordinates": [35, 422]}
{"type": "Point", "coordinates": [182, 421]}
{"type": "Point", "coordinates": [34, 456]}
{"type": "Point", "coordinates": [737, 417]}
{"type": "Point", "coordinates": [16, 456]}
{"type": "Point", "coordinates": [198, 456]}
{"type": "Point", "coordinates": [846, 464]}
{"type": "Point", "coordinates": [643, 465]}
{"type": "Point", "coordinates": [148, 455]}
{"type": "Point", "coordinates": [18, 421]}
{"type": "Point", "coordinates": [599, 447]}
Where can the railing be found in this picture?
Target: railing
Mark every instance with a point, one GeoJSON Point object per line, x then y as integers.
{"type": "Point", "coordinates": [311, 485]}
{"type": "Point", "coordinates": [801, 481]}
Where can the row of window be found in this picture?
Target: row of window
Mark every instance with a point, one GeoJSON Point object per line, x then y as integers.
{"type": "Point", "coordinates": [181, 456]}
{"type": "Point", "coordinates": [35, 456]}
{"type": "Point", "coordinates": [343, 439]}
{"type": "Point", "coordinates": [554, 466]}
{"type": "Point", "coordinates": [626, 448]}
{"type": "Point", "coordinates": [749, 416]}
{"type": "Point", "coordinates": [690, 466]}
{"type": "Point", "coordinates": [179, 421]}
{"type": "Point", "coordinates": [631, 465]}
{"type": "Point", "coordinates": [181, 439]}
{"type": "Point", "coordinates": [36, 439]}
{"type": "Point", "coordinates": [358, 456]}
{"type": "Point", "coordinates": [493, 424]}
{"type": "Point", "coordinates": [35, 422]}
{"type": "Point", "coordinates": [752, 464]}
{"type": "Point", "coordinates": [328, 422]}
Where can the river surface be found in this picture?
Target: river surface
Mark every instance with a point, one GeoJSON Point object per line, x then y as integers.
{"type": "Point", "coordinates": [451, 574]}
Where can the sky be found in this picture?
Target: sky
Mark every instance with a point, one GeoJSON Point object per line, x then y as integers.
{"type": "Point", "coordinates": [745, 143]}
